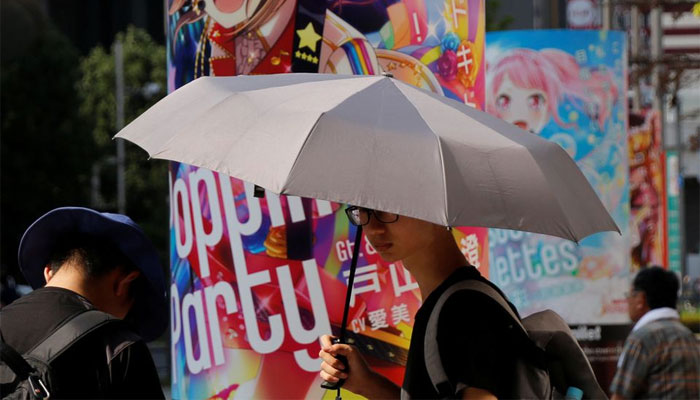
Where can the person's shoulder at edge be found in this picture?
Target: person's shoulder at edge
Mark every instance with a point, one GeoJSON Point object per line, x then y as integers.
{"type": "Point", "coordinates": [662, 327]}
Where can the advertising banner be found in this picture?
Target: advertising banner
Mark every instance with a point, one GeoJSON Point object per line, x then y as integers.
{"type": "Point", "coordinates": [647, 191]}
{"type": "Point", "coordinates": [568, 87]}
{"type": "Point", "coordinates": [673, 223]}
{"type": "Point", "coordinates": [256, 281]}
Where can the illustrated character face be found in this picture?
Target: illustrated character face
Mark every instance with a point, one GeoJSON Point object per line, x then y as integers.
{"type": "Point", "coordinates": [229, 13]}
{"type": "Point", "coordinates": [526, 108]}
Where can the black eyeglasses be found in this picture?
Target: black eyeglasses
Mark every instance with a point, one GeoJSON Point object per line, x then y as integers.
{"type": "Point", "coordinates": [359, 216]}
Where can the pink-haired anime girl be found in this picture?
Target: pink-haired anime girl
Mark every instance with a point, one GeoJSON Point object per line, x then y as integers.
{"type": "Point", "coordinates": [526, 87]}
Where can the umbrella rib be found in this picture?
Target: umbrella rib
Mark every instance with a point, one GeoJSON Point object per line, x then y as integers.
{"type": "Point", "coordinates": [569, 226]}
{"type": "Point", "coordinates": [444, 175]}
{"type": "Point", "coordinates": [164, 147]}
{"type": "Point", "coordinates": [442, 159]}
{"type": "Point", "coordinates": [494, 175]}
{"type": "Point", "coordinates": [313, 128]}
{"type": "Point", "coordinates": [296, 158]}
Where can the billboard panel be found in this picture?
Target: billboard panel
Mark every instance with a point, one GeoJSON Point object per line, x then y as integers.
{"type": "Point", "coordinates": [568, 87]}
{"type": "Point", "coordinates": [673, 222]}
{"type": "Point", "coordinates": [256, 281]}
{"type": "Point", "coordinates": [647, 191]}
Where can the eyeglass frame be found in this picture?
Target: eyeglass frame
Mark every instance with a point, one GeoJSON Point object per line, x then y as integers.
{"type": "Point", "coordinates": [370, 212]}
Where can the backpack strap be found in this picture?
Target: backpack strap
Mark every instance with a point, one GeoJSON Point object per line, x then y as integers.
{"type": "Point", "coordinates": [51, 347]}
{"type": "Point", "coordinates": [14, 360]}
{"type": "Point", "coordinates": [70, 332]}
{"type": "Point", "coordinates": [434, 365]}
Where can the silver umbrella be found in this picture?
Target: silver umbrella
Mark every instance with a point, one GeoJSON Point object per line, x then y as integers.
{"type": "Point", "coordinates": [373, 142]}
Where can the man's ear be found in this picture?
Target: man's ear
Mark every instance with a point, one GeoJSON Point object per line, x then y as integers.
{"type": "Point", "coordinates": [124, 283]}
{"type": "Point", "coordinates": [48, 273]}
{"type": "Point", "coordinates": [643, 303]}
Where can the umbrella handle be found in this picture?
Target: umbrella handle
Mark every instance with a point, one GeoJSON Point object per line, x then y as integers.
{"type": "Point", "coordinates": [346, 310]}
{"type": "Point", "coordinates": [339, 384]}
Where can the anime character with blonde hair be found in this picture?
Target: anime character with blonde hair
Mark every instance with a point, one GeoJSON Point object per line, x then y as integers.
{"type": "Point", "coordinates": [436, 45]}
{"type": "Point", "coordinates": [237, 37]}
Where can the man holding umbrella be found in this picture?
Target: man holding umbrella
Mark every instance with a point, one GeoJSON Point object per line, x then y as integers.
{"type": "Point", "coordinates": [79, 260]}
{"type": "Point", "coordinates": [390, 148]}
{"type": "Point", "coordinates": [476, 345]}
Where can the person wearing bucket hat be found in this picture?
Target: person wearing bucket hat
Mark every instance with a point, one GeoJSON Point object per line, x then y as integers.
{"type": "Point", "coordinates": [78, 259]}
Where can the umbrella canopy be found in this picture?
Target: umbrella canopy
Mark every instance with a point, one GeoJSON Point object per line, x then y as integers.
{"type": "Point", "coordinates": [374, 142]}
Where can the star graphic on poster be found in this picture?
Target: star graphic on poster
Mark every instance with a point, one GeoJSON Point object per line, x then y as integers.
{"type": "Point", "coordinates": [308, 37]}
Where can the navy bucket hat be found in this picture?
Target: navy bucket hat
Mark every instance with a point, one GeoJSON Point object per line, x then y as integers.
{"type": "Point", "coordinates": [149, 314]}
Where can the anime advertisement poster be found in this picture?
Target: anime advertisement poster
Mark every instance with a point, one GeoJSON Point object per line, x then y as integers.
{"type": "Point", "coordinates": [256, 280]}
{"type": "Point", "coordinates": [437, 45]}
{"type": "Point", "coordinates": [568, 87]}
{"type": "Point", "coordinates": [647, 191]}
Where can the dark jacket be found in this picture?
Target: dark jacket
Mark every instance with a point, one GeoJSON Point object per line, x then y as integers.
{"type": "Point", "coordinates": [110, 362]}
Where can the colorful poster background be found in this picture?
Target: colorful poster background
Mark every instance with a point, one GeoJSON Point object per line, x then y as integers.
{"type": "Point", "coordinates": [647, 191]}
{"type": "Point", "coordinates": [568, 87]}
{"type": "Point", "coordinates": [256, 281]}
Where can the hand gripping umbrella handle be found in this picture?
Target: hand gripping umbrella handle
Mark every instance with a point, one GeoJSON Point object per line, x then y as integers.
{"type": "Point", "coordinates": [339, 384]}
{"type": "Point", "coordinates": [346, 311]}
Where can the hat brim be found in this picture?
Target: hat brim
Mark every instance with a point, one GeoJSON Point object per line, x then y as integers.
{"type": "Point", "coordinates": [150, 311]}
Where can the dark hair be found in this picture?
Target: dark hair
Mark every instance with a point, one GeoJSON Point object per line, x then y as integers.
{"type": "Point", "coordinates": [96, 256]}
{"type": "Point", "coordinates": [659, 285]}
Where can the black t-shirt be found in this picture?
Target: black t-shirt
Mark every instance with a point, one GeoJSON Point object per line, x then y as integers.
{"type": "Point", "coordinates": [477, 346]}
{"type": "Point", "coordinates": [110, 362]}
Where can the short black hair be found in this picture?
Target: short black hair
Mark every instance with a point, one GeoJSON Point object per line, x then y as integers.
{"type": "Point", "coordinates": [96, 256]}
{"type": "Point", "coordinates": [659, 285]}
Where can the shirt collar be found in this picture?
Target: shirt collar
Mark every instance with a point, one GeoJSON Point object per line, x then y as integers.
{"type": "Point", "coordinates": [655, 315]}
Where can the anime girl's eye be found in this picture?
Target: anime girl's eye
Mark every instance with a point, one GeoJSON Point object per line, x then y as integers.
{"type": "Point", "coordinates": [536, 101]}
{"type": "Point", "coordinates": [503, 101]}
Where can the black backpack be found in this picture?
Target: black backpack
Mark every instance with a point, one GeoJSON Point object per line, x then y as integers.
{"type": "Point", "coordinates": [29, 376]}
{"type": "Point", "coordinates": [563, 363]}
